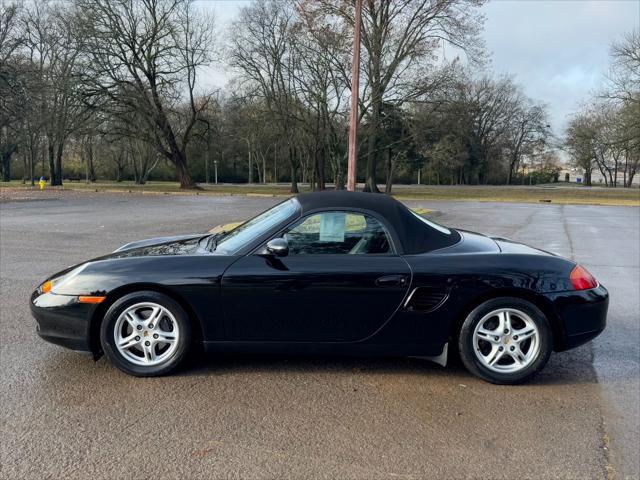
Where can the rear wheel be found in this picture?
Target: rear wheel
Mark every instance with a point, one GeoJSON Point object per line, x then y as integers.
{"type": "Point", "coordinates": [146, 334]}
{"type": "Point", "coordinates": [505, 340]}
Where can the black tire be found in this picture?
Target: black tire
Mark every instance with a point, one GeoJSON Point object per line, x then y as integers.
{"type": "Point", "coordinates": [478, 368]}
{"type": "Point", "coordinates": [167, 366]}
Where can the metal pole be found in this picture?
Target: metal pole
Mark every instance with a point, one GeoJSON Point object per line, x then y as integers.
{"type": "Point", "coordinates": [215, 171]}
{"type": "Point", "coordinates": [355, 88]}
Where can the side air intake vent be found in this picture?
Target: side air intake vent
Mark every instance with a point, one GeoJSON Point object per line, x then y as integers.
{"type": "Point", "coordinates": [426, 299]}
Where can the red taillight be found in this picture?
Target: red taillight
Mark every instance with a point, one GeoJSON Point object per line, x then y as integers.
{"type": "Point", "coordinates": [581, 279]}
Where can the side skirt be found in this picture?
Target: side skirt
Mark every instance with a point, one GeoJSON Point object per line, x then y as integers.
{"type": "Point", "coordinates": [355, 349]}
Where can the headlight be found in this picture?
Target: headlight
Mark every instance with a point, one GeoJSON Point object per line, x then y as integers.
{"type": "Point", "coordinates": [51, 284]}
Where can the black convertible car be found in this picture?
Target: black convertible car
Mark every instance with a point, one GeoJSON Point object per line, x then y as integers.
{"type": "Point", "coordinates": [330, 272]}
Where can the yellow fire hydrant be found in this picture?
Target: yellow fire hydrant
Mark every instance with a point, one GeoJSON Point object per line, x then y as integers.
{"type": "Point", "coordinates": [41, 183]}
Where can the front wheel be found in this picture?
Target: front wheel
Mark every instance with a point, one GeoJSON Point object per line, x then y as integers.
{"type": "Point", "coordinates": [145, 334]}
{"type": "Point", "coordinates": [505, 341]}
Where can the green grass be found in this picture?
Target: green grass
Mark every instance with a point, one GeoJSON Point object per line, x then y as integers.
{"type": "Point", "coordinates": [163, 187]}
{"type": "Point", "coordinates": [554, 193]}
{"type": "Point", "coordinates": [526, 194]}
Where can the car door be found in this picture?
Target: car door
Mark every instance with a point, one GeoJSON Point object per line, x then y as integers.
{"type": "Point", "coordinates": [341, 281]}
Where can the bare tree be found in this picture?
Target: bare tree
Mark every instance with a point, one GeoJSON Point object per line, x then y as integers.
{"type": "Point", "coordinates": [624, 73]}
{"type": "Point", "coordinates": [623, 90]}
{"type": "Point", "coordinates": [487, 126]}
{"type": "Point", "coordinates": [142, 61]}
{"type": "Point", "coordinates": [527, 128]}
{"type": "Point", "coordinates": [606, 133]}
{"type": "Point", "coordinates": [261, 50]}
{"type": "Point", "coordinates": [12, 91]}
{"type": "Point", "coordinates": [144, 158]}
{"type": "Point", "coordinates": [323, 54]}
{"type": "Point", "coordinates": [594, 139]}
{"type": "Point", "coordinates": [400, 39]}
{"type": "Point", "coordinates": [53, 48]}
{"type": "Point", "coordinates": [627, 138]}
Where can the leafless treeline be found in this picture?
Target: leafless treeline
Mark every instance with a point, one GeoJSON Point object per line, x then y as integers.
{"type": "Point", "coordinates": [117, 89]}
{"type": "Point", "coordinates": [605, 134]}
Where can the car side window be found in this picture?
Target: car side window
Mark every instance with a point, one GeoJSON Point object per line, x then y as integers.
{"type": "Point", "coordinates": [338, 232]}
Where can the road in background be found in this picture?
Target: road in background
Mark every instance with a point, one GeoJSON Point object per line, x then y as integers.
{"type": "Point", "coordinates": [247, 416]}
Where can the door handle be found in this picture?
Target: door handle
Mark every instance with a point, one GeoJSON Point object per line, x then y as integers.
{"type": "Point", "coordinates": [391, 280]}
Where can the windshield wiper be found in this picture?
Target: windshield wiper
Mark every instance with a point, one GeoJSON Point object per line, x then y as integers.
{"type": "Point", "coordinates": [214, 239]}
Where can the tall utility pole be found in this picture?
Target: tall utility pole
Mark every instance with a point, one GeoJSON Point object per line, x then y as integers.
{"type": "Point", "coordinates": [355, 88]}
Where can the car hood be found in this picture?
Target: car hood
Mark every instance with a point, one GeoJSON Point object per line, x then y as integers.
{"type": "Point", "coordinates": [176, 245]}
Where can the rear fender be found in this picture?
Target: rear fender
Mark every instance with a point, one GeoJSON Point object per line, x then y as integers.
{"type": "Point", "coordinates": [535, 298]}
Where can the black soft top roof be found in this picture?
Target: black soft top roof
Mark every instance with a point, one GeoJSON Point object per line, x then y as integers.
{"type": "Point", "coordinates": [415, 235]}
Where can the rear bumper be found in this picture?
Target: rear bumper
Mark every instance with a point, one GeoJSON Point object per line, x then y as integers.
{"type": "Point", "coordinates": [62, 320]}
{"type": "Point", "coordinates": [582, 316]}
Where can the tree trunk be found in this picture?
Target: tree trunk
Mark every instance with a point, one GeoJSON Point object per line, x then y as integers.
{"type": "Point", "coordinates": [90, 167]}
{"type": "Point", "coordinates": [25, 167]}
{"type": "Point", "coordinates": [370, 184]}
{"type": "Point", "coordinates": [52, 167]}
{"type": "Point", "coordinates": [58, 164]}
{"type": "Point", "coordinates": [6, 163]}
{"type": "Point", "coordinates": [44, 158]}
{"type": "Point", "coordinates": [136, 173]}
{"type": "Point", "coordinates": [512, 167]}
{"type": "Point", "coordinates": [186, 182]}
{"type": "Point", "coordinates": [319, 164]}
{"type": "Point", "coordinates": [120, 166]}
{"type": "Point", "coordinates": [338, 175]}
{"type": "Point", "coordinates": [294, 180]}
{"type": "Point", "coordinates": [294, 170]}
{"type": "Point", "coordinates": [32, 165]}
{"type": "Point", "coordinates": [389, 183]}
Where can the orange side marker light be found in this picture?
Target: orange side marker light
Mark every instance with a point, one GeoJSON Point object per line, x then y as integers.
{"type": "Point", "coordinates": [90, 299]}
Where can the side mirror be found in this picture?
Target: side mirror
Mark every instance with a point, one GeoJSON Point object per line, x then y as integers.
{"type": "Point", "coordinates": [278, 247]}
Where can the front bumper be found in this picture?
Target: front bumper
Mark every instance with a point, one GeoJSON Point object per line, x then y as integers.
{"type": "Point", "coordinates": [63, 320]}
{"type": "Point", "coordinates": [582, 316]}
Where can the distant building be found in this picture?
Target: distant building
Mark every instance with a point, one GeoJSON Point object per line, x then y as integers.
{"type": "Point", "coordinates": [576, 175]}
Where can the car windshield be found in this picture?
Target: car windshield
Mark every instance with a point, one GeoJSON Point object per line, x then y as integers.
{"type": "Point", "coordinates": [231, 242]}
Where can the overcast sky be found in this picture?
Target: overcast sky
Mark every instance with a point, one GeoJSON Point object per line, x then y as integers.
{"type": "Point", "coordinates": [557, 49]}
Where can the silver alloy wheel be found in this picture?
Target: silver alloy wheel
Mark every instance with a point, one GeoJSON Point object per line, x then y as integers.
{"type": "Point", "coordinates": [506, 340]}
{"type": "Point", "coordinates": [146, 334]}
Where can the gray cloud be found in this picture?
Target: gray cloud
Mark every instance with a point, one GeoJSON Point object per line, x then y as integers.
{"type": "Point", "coordinates": [558, 50]}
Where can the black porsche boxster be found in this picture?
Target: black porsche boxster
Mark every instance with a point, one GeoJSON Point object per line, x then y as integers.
{"type": "Point", "coordinates": [329, 272]}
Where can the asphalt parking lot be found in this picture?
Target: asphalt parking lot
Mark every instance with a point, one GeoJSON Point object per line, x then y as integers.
{"type": "Point", "coordinates": [66, 416]}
